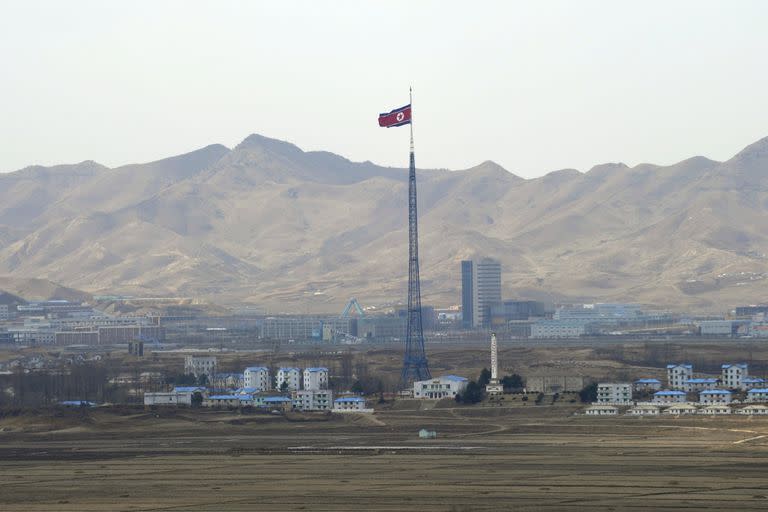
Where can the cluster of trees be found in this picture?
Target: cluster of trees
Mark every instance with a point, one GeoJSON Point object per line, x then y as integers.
{"type": "Point", "coordinates": [475, 391]}
{"type": "Point", "coordinates": [83, 382]}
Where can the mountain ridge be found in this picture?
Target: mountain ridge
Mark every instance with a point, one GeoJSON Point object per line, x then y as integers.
{"type": "Point", "coordinates": [267, 222]}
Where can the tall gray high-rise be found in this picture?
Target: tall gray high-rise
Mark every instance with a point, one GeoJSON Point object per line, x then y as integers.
{"type": "Point", "coordinates": [480, 289]}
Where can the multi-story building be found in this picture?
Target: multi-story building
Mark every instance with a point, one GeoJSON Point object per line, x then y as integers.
{"type": "Point", "coordinates": [734, 375]}
{"type": "Point", "coordinates": [677, 374]}
{"type": "Point", "coordinates": [715, 396]}
{"type": "Point", "coordinates": [257, 377]}
{"type": "Point", "coordinates": [200, 365]}
{"type": "Point", "coordinates": [480, 289]}
{"type": "Point", "coordinates": [753, 382]}
{"type": "Point", "coordinates": [757, 395]}
{"type": "Point", "coordinates": [350, 403]}
{"type": "Point", "coordinates": [647, 385]}
{"type": "Point", "coordinates": [694, 385]}
{"type": "Point", "coordinates": [315, 379]}
{"type": "Point", "coordinates": [288, 379]}
{"type": "Point", "coordinates": [447, 386]}
{"type": "Point", "coordinates": [667, 396]}
{"type": "Point", "coordinates": [313, 400]}
{"type": "Point", "coordinates": [306, 327]}
{"type": "Point", "coordinates": [614, 393]}
{"type": "Point", "coordinates": [5, 312]}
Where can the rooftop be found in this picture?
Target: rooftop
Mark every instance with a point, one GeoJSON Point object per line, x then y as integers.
{"type": "Point", "coordinates": [758, 390]}
{"type": "Point", "coordinates": [647, 381]}
{"type": "Point", "coordinates": [276, 399]}
{"type": "Point", "coordinates": [701, 381]}
{"type": "Point", "coordinates": [685, 365]}
{"type": "Point", "coordinates": [715, 392]}
{"type": "Point", "coordinates": [318, 369]}
{"type": "Point", "coordinates": [738, 365]}
{"type": "Point", "coordinates": [667, 392]}
{"type": "Point", "coordinates": [256, 369]}
{"type": "Point", "coordinates": [348, 399]}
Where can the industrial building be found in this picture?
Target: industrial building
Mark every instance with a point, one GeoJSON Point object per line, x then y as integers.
{"type": "Point", "coordinates": [554, 383]}
{"type": "Point", "coordinates": [557, 329]}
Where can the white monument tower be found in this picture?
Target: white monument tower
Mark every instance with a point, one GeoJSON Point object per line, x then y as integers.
{"type": "Point", "coordinates": [493, 387]}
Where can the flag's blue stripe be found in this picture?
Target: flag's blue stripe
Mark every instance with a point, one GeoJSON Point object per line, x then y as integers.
{"type": "Point", "coordinates": [396, 110]}
{"type": "Point", "coordinates": [399, 124]}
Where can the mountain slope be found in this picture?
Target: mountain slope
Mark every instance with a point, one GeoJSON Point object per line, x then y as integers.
{"type": "Point", "coordinates": [270, 223]}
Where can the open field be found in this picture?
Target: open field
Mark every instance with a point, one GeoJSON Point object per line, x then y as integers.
{"type": "Point", "coordinates": [534, 458]}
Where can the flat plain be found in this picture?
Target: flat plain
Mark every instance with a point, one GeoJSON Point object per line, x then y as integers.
{"type": "Point", "coordinates": [484, 458]}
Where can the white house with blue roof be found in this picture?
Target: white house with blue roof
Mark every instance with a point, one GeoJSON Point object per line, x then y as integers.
{"type": "Point", "coordinates": [754, 382]}
{"type": "Point", "coordinates": [757, 395]}
{"type": "Point", "coordinates": [734, 375]}
{"type": "Point", "coordinates": [700, 384]}
{"type": "Point", "coordinates": [677, 374]}
{"type": "Point", "coordinates": [670, 396]}
{"type": "Point", "coordinates": [446, 386]}
{"type": "Point", "coordinates": [715, 396]}
{"type": "Point", "coordinates": [257, 377]}
{"type": "Point", "coordinates": [350, 404]}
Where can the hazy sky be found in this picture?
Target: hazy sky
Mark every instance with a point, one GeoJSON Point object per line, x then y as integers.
{"type": "Point", "coordinates": [535, 86]}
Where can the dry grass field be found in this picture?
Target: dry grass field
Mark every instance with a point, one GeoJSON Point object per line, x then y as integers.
{"type": "Point", "coordinates": [485, 458]}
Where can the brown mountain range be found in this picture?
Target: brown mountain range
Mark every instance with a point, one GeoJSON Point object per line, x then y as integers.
{"type": "Point", "coordinates": [266, 222]}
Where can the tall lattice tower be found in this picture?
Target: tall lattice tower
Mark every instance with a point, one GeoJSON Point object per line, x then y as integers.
{"type": "Point", "coordinates": [415, 365]}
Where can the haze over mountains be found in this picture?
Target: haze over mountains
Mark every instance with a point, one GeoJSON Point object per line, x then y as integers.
{"type": "Point", "coordinates": [303, 231]}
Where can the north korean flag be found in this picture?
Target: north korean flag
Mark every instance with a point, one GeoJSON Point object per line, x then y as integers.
{"type": "Point", "coordinates": [397, 117]}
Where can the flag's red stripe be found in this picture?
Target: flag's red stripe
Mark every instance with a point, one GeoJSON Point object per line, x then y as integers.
{"type": "Point", "coordinates": [387, 120]}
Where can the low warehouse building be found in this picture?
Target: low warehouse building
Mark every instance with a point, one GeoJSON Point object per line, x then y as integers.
{"type": "Point", "coordinates": [601, 410]}
{"type": "Point", "coordinates": [753, 410]}
{"type": "Point", "coordinates": [680, 409]}
{"type": "Point", "coordinates": [643, 410]}
{"type": "Point", "coordinates": [716, 410]}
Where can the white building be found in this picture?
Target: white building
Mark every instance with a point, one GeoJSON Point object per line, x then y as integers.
{"type": "Point", "coordinates": [647, 385]}
{"type": "Point", "coordinates": [643, 410]}
{"type": "Point", "coordinates": [677, 374]}
{"type": "Point", "coordinates": [257, 377]}
{"type": "Point", "coordinates": [557, 329]}
{"type": "Point", "coordinates": [200, 365]}
{"type": "Point", "coordinates": [601, 410]}
{"type": "Point", "coordinates": [734, 375]}
{"type": "Point", "coordinates": [614, 393]}
{"type": "Point", "coordinates": [715, 409]}
{"type": "Point", "coordinates": [695, 385]}
{"type": "Point", "coordinates": [316, 378]}
{"type": "Point", "coordinates": [181, 395]}
{"type": "Point", "coordinates": [716, 327]}
{"type": "Point", "coordinates": [291, 377]}
{"type": "Point", "coordinates": [679, 409]}
{"type": "Point", "coordinates": [350, 404]}
{"type": "Point", "coordinates": [753, 382]}
{"type": "Point", "coordinates": [447, 386]}
{"type": "Point", "coordinates": [757, 395]}
{"type": "Point", "coordinates": [753, 410]}
{"type": "Point", "coordinates": [669, 397]}
{"type": "Point", "coordinates": [715, 396]}
{"type": "Point", "coordinates": [313, 400]}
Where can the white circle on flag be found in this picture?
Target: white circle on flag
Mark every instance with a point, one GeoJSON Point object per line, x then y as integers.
{"type": "Point", "coordinates": [400, 116]}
